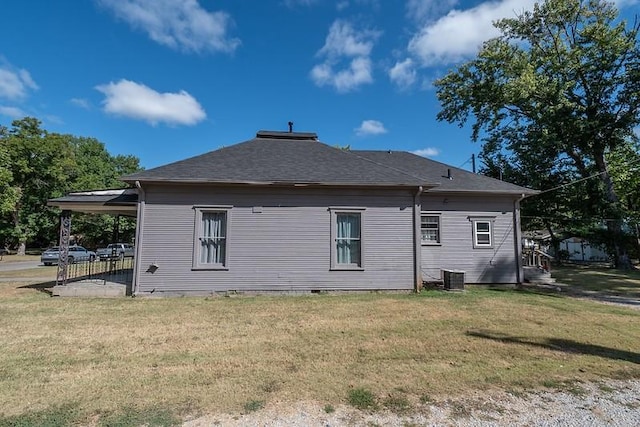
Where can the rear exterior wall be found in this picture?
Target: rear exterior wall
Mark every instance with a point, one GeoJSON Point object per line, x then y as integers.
{"type": "Point", "coordinates": [278, 239]}
{"type": "Point", "coordinates": [456, 251]}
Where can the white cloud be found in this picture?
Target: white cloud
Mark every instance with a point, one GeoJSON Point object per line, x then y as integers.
{"type": "Point", "coordinates": [346, 52]}
{"type": "Point", "coordinates": [179, 24]}
{"type": "Point", "coordinates": [15, 83]}
{"type": "Point", "coordinates": [343, 40]}
{"type": "Point", "coordinates": [13, 112]}
{"type": "Point", "coordinates": [370, 127]}
{"type": "Point", "coordinates": [403, 74]}
{"type": "Point", "coordinates": [345, 80]}
{"type": "Point", "coordinates": [460, 34]}
{"type": "Point", "coordinates": [137, 101]}
{"type": "Point", "coordinates": [424, 10]}
{"type": "Point", "coordinates": [427, 152]}
{"type": "Point", "coordinates": [81, 102]}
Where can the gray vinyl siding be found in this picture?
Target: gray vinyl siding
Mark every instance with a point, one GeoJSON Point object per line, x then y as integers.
{"type": "Point", "coordinates": [456, 252]}
{"type": "Point", "coordinates": [285, 247]}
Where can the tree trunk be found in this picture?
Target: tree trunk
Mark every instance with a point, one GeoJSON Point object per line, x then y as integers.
{"type": "Point", "coordinates": [22, 247]}
{"type": "Point", "coordinates": [637, 227]}
{"type": "Point", "coordinates": [555, 243]}
{"type": "Point", "coordinates": [22, 239]}
{"type": "Point", "coordinates": [614, 225]}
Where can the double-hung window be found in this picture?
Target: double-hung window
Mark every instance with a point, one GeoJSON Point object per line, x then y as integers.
{"type": "Point", "coordinates": [346, 251]}
{"type": "Point", "coordinates": [430, 229]}
{"type": "Point", "coordinates": [482, 233]}
{"type": "Point", "coordinates": [210, 245]}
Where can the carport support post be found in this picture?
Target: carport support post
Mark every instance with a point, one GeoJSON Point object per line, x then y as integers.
{"type": "Point", "coordinates": [63, 244]}
{"type": "Point", "coordinates": [116, 229]}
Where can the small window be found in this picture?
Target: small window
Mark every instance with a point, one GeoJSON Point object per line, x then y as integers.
{"type": "Point", "coordinates": [482, 234]}
{"type": "Point", "coordinates": [346, 236]}
{"type": "Point", "coordinates": [430, 229]}
{"type": "Point", "coordinates": [210, 246]}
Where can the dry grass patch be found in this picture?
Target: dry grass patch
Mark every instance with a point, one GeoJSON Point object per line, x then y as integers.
{"type": "Point", "coordinates": [199, 355]}
{"type": "Point", "coordinates": [19, 258]}
{"type": "Point", "coordinates": [42, 272]}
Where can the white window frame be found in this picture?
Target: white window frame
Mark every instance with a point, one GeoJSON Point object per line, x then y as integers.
{"type": "Point", "coordinates": [438, 242]}
{"type": "Point", "coordinates": [482, 220]}
{"type": "Point", "coordinates": [334, 238]}
{"type": "Point", "coordinates": [197, 235]}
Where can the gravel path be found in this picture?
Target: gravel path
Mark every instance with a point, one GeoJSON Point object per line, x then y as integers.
{"type": "Point", "coordinates": [610, 403]}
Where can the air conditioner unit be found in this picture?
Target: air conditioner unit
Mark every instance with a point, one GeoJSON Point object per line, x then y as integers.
{"type": "Point", "coordinates": [453, 280]}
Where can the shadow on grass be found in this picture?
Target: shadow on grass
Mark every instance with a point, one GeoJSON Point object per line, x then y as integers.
{"type": "Point", "coordinates": [550, 291]}
{"type": "Point", "coordinates": [55, 416]}
{"type": "Point", "coordinates": [608, 281]}
{"type": "Point", "coordinates": [44, 287]}
{"type": "Point", "coordinates": [563, 345]}
{"type": "Point", "coordinates": [563, 290]}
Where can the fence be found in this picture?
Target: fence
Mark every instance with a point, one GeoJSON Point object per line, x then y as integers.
{"type": "Point", "coordinates": [112, 270]}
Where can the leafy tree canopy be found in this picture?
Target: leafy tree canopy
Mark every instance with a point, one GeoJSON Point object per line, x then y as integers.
{"type": "Point", "coordinates": [36, 165]}
{"type": "Point", "coordinates": [551, 98]}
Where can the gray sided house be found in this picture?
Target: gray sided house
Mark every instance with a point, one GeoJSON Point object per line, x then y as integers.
{"type": "Point", "coordinates": [285, 212]}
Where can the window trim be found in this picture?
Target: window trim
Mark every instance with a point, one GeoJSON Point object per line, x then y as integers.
{"type": "Point", "coordinates": [474, 225]}
{"type": "Point", "coordinates": [435, 215]}
{"type": "Point", "coordinates": [333, 239]}
{"type": "Point", "coordinates": [195, 257]}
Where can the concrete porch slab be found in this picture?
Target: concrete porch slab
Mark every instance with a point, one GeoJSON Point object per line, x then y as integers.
{"type": "Point", "coordinates": [90, 289]}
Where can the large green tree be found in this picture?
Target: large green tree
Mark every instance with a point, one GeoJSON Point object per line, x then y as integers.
{"type": "Point", "coordinates": [36, 165]}
{"type": "Point", "coordinates": [8, 193]}
{"type": "Point", "coordinates": [550, 97]}
{"type": "Point", "coordinates": [96, 169]}
{"type": "Point", "coordinates": [624, 165]}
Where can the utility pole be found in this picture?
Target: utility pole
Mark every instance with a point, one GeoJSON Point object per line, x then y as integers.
{"type": "Point", "coordinates": [473, 163]}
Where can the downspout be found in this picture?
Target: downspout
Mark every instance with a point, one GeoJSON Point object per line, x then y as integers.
{"type": "Point", "coordinates": [139, 228]}
{"type": "Point", "coordinates": [417, 255]}
{"type": "Point", "coordinates": [517, 237]}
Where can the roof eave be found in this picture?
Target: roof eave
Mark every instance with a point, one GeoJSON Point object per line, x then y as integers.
{"type": "Point", "coordinates": [279, 183]}
{"type": "Point", "coordinates": [523, 192]}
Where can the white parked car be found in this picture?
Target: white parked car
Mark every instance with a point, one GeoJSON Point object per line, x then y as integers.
{"type": "Point", "coordinates": [116, 250]}
{"type": "Point", "coordinates": [76, 254]}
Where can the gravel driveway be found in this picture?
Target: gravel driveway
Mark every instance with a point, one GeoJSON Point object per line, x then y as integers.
{"type": "Point", "coordinates": [608, 403]}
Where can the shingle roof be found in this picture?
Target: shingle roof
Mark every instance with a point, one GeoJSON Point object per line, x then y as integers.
{"type": "Point", "coordinates": [280, 158]}
{"type": "Point", "coordinates": [436, 172]}
{"type": "Point", "coordinates": [122, 201]}
{"type": "Point", "coordinates": [299, 158]}
{"type": "Point", "coordinates": [115, 197]}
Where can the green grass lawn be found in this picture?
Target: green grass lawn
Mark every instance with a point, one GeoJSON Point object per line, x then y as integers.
{"type": "Point", "coordinates": [132, 361]}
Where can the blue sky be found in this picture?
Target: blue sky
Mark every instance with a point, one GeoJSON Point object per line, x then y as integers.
{"type": "Point", "coordinates": [169, 79]}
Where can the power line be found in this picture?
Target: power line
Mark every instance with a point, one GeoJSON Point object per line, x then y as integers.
{"type": "Point", "coordinates": [567, 184]}
{"type": "Point", "coordinates": [578, 181]}
{"type": "Point", "coordinates": [467, 161]}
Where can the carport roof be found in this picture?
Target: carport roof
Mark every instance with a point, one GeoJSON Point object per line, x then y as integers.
{"type": "Point", "coordinates": [122, 201]}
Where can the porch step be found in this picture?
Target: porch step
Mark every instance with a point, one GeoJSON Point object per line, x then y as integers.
{"type": "Point", "coordinates": [537, 275]}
